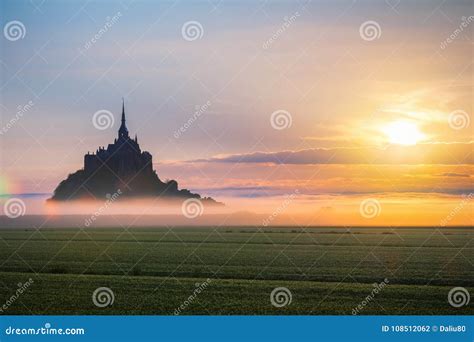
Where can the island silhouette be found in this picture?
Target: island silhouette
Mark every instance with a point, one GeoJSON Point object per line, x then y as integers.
{"type": "Point", "coordinates": [121, 167]}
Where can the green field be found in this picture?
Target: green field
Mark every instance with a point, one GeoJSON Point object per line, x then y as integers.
{"type": "Point", "coordinates": [155, 270]}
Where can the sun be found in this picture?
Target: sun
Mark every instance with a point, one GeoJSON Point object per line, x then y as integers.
{"type": "Point", "coordinates": [403, 133]}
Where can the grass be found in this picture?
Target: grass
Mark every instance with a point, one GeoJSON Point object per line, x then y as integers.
{"type": "Point", "coordinates": [155, 270]}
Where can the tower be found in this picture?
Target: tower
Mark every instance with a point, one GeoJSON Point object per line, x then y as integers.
{"type": "Point", "coordinates": [123, 131]}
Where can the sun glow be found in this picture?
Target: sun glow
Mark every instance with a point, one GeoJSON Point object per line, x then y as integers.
{"type": "Point", "coordinates": [403, 133]}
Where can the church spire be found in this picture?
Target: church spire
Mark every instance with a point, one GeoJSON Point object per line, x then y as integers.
{"type": "Point", "coordinates": [123, 131]}
{"type": "Point", "coordinates": [123, 112]}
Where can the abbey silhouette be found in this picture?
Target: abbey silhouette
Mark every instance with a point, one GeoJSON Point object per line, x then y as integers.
{"type": "Point", "coordinates": [122, 165]}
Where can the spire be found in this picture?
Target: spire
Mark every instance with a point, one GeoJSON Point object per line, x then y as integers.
{"type": "Point", "coordinates": [123, 111]}
{"type": "Point", "coordinates": [123, 131]}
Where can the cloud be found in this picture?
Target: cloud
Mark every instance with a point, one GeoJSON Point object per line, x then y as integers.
{"type": "Point", "coordinates": [431, 154]}
{"type": "Point", "coordinates": [454, 174]}
{"type": "Point", "coordinates": [311, 194]}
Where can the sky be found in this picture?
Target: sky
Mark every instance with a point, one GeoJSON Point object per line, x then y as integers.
{"type": "Point", "coordinates": [328, 103]}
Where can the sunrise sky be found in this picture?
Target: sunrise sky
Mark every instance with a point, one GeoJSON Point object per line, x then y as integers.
{"type": "Point", "coordinates": [370, 100]}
